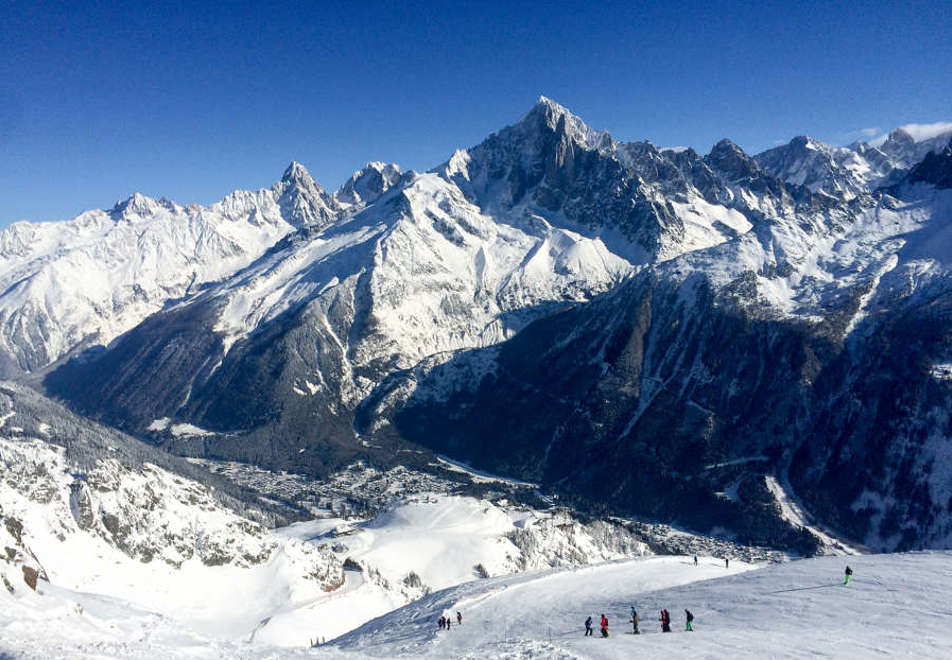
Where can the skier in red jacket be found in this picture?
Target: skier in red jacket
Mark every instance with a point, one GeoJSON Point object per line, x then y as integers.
{"type": "Point", "coordinates": [604, 626]}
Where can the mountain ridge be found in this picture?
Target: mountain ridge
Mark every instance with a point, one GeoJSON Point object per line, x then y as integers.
{"type": "Point", "coordinates": [413, 305]}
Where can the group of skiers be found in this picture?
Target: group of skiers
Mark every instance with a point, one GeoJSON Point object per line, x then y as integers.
{"type": "Point", "coordinates": [445, 621]}
{"type": "Point", "coordinates": [665, 619]}
{"type": "Point", "coordinates": [604, 626]}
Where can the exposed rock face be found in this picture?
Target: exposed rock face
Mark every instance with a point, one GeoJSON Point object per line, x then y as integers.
{"type": "Point", "coordinates": [935, 168]}
{"type": "Point", "coordinates": [16, 554]}
{"type": "Point", "coordinates": [646, 389]}
{"type": "Point", "coordinates": [302, 201]}
{"type": "Point", "coordinates": [30, 576]}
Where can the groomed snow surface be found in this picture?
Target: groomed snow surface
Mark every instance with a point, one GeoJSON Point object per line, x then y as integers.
{"type": "Point", "coordinates": [896, 606]}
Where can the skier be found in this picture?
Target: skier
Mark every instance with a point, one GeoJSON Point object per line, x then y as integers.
{"type": "Point", "coordinates": [448, 622]}
{"type": "Point", "coordinates": [688, 618]}
{"type": "Point", "coordinates": [588, 626]}
{"type": "Point", "coordinates": [695, 560]}
{"type": "Point", "coordinates": [665, 621]}
{"type": "Point", "coordinates": [847, 575]}
{"type": "Point", "coordinates": [604, 626]}
{"type": "Point", "coordinates": [727, 562]}
{"type": "Point", "coordinates": [442, 622]}
{"type": "Point", "coordinates": [459, 619]}
{"type": "Point", "coordinates": [634, 620]}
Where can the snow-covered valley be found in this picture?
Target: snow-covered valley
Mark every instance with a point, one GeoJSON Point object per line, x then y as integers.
{"type": "Point", "coordinates": [119, 554]}
{"type": "Point", "coordinates": [133, 561]}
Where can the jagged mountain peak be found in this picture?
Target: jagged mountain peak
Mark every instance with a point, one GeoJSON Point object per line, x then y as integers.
{"type": "Point", "coordinates": [726, 146]}
{"type": "Point", "coordinates": [908, 144]}
{"type": "Point", "coordinates": [731, 160]}
{"type": "Point", "coordinates": [900, 136]}
{"type": "Point", "coordinates": [550, 116]}
{"type": "Point", "coordinates": [380, 166]}
{"type": "Point", "coordinates": [856, 169]}
{"type": "Point", "coordinates": [297, 173]}
{"type": "Point", "coordinates": [909, 134]}
{"type": "Point", "coordinates": [546, 105]}
{"type": "Point", "coordinates": [136, 204]}
{"type": "Point", "coordinates": [807, 142]}
{"type": "Point", "coordinates": [302, 200]}
{"type": "Point", "coordinates": [369, 183]}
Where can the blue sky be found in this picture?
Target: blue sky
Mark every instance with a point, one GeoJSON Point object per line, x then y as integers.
{"type": "Point", "coordinates": [190, 100]}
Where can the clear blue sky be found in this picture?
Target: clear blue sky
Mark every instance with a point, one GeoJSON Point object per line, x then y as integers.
{"type": "Point", "coordinates": [190, 100]}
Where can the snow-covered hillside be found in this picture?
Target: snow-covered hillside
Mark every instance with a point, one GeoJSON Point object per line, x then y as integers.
{"type": "Point", "coordinates": [430, 543]}
{"type": "Point", "coordinates": [895, 606]}
{"type": "Point", "coordinates": [162, 544]}
{"type": "Point", "coordinates": [98, 519]}
{"type": "Point", "coordinates": [891, 250]}
{"type": "Point", "coordinates": [442, 276]}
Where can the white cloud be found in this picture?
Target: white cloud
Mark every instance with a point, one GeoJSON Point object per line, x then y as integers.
{"type": "Point", "coordinates": [861, 134]}
{"type": "Point", "coordinates": [919, 132]}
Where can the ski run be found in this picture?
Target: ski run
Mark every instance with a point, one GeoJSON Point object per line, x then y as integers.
{"type": "Point", "coordinates": [896, 606]}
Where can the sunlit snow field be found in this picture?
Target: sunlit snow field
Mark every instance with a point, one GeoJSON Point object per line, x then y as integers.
{"type": "Point", "coordinates": [897, 606]}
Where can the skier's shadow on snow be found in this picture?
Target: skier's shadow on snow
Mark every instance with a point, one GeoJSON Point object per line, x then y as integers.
{"type": "Point", "coordinates": [835, 584]}
{"type": "Point", "coordinates": [819, 586]}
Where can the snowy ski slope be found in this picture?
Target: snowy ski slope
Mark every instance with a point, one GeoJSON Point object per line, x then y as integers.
{"type": "Point", "coordinates": [897, 606]}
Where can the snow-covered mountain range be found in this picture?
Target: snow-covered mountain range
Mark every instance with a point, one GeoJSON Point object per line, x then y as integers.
{"type": "Point", "coordinates": [70, 285]}
{"type": "Point", "coordinates": [859, 168]}
{"type": "Point", "coordinates": [550, 303]}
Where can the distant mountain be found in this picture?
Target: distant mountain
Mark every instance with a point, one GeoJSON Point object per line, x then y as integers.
{"type": "Point", "coordinates": [935, 168]}
{"type": "Point", "coordinates": [70, 285]}
{"type": "Point", "coordinates": [818, 353]}
{"type": "Point", "coordinates": [637, 328]}
{"type": "Point", "coordinates": [541, 215]}
{"type": "Point", "coordinates": [861, 167]}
